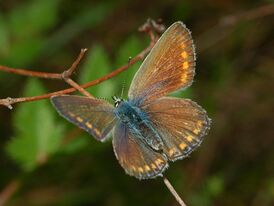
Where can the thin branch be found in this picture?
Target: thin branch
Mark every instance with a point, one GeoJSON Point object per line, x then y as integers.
{"type": "Point", "coordinates": [74, 65]}
{"type": "Point", "coordinates": [66, 74]}
{"type": "Point", "coordinates": [255, 13]}
{"type": "Point", "coordinates": [25, 72]}
{"type": "Point", "coordinates": [149, 27]}
{"type": "Point", "coordinates": [173, 191]}
{"type": "Point", "coordinates": [61, 76]}
{"type": "Point", "coordinates": [8, 102]}
{"type": "Point", "coordinates": [226, 24]}
{"type": "Point", "coordinates": [46, 75]}
{"type": "Point", "coordinates": [9, 190]}
{"type": "Point", "coordinates": [77, 86]}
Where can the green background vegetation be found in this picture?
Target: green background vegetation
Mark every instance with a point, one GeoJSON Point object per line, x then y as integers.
{"type": "Point", "coordinates": [58, 164]}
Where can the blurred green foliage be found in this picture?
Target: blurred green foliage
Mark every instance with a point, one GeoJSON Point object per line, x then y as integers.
{"type": "Point", "coordinates": [97, 64]}
{"type": "Point", "coordinates": [37, 134]}
{"type": "Point", "coordinates": [58, 164]}
{"type": "Point", "coordinates": [26, 26]}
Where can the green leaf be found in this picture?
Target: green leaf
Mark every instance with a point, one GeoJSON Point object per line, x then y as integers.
{"type": "Point", "coordinates": [97, 65]}
{"type": "Point", "coordinates": [215, 185]}
{"type": "Point", "coordinates": [86, 19]}
{"type": "Point", "coordinates": [75, 145]}
{"type": "Point", "coordinates": [28, 25]}
{"type": "Point", "coordinates": [34, 17]}
{"type": "Point", "coordinates": [209, 190]}
{"type": "Point", "coordinates": [24, 52]}
{"type": "Point", "coordinates": [37, 134]}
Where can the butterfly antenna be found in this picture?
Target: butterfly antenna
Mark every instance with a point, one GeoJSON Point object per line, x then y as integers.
{"type": "Point", "coordinates": [104, 98]}
{"type": "Point", "coordinates": [129, 60]}
{"type": "Point", "coordinates": [123, 88]}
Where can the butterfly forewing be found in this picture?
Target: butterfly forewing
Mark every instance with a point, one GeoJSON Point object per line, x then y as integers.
{"type": "Point", "coordinates": [168, 67]}
{"type": "Point", "coordinates": [180, 122]}
{"type": "Point", "coordinates": [93, 115]}
{"type": "Point", "coordinates": [136, 157]}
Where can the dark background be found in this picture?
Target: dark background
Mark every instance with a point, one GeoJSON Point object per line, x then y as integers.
{"type": "Point", "coordinates": [46, 161]}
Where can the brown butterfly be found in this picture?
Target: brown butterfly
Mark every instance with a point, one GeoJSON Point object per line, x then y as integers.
{"type": "Point", "coordinates": [149, 129]}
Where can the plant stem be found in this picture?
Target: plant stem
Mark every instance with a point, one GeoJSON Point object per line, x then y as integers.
{"type": "Point", "coordinates": [173, 191]}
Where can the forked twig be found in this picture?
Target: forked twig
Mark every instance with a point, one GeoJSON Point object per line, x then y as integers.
{"type": "Point", "coordinates": [173, 191]}
{"type": "Point", "coordinates": [8, 102]}
{"type": "Point", "coordinates": [46, 75]}
{"type": "Point", "coordinates": [66, 74]}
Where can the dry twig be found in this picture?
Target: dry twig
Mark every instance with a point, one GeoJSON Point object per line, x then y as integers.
{"type": "Point", "coordinates": [8, 102]}
{"type": "Point", "coordinates": [173, 191]}
{"type": "Point", "coordinates": [8, 191]}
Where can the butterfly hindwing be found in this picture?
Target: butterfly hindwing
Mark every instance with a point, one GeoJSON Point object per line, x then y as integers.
{"type": "Point", "coordinates": [169, 66]}
{"type": "Point", "coordinates": [136, 157]}
{"type": "Point", "coordinates": [93, 115]}
{"type": "Point", "coordinates": [180, 122]}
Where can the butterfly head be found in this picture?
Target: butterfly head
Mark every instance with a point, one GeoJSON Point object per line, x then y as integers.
{"type": "Point", "coordinates": [117, 101]}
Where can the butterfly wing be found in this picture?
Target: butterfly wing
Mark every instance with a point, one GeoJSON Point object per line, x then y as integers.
{"type": "Point", "coordinates": [169, 66]}
{"type": "Point", "coordinates": [180, 122]}
{"type": "Point", "coordinates": [93, 115]}
{"type": "Point", "coordinates": [136, 157]}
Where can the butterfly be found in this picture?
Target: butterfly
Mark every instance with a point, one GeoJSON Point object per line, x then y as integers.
{"type": "Point", "coordinates": [149, 129]}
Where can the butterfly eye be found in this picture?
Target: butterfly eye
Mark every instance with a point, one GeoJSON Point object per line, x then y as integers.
{"type": "Point", "coordinates": [116, 104]}
{"type": "Point", "coordinates": [117, 101]}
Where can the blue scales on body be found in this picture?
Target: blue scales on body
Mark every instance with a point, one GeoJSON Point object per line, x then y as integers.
{"type": "Point", "coordinates": [138, 122]}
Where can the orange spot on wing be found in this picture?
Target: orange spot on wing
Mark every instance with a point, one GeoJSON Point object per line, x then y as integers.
{"type": "Point", "coordinates": [153, 166]}
{"type": "Point", "coordinates": [71, 114]}
{"type": "Point", "coordinates": [199, 127]}
{"type": "Point", "coordinates": [79, 119]}
{"type": "Point", "coordinates": [158, 162]}
{"type": "Point", "coordinates": [184, 54]}
{"type": "Point", "coordinates": [189, 138]}
{"type": "Point", "coordinates": [172, 151]}
{"type": "Point", "coordinates": [97, 132]}
{"type": "Point", "coordinates": [140, 169]}
{"type": "Point", "coordinates": [89, 125]}
{"type": "Point", "coordinates": [185, 65]}
{"type": "Point", "coordinates": [200, 123]}
{"type": "Point", "coordinates": [184, 77]}
{"type": "Point", "coordinates": [147, 168]}
{"type": "Point", "coordinates": [182, 146]}
{"type": "Point", "coordinates": [196, 131]}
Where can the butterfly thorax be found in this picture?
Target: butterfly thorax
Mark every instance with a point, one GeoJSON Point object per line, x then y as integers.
{"type": "Point", "coordinates": [138, 122]}
{"type": "Point", "coordinates": [127, 113]}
